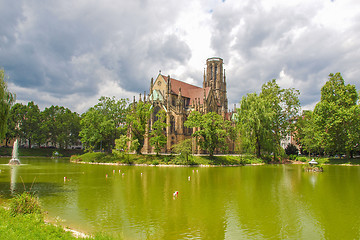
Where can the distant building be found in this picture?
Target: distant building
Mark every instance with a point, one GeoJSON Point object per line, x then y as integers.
{"type": "Point", "coordinates": [179, 99]}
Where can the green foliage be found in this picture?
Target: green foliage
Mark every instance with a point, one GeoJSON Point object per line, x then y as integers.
{"type": "Point", "coordinates": [136, 120]}
{"type": "Point", "coordinates": [184, 148]}
{"type": "Point", "coordinates": [155, 162]}
{"type": "Point", "coordinates": [337, 117]}
{"type": "Point", "coordinates": [89, 157]}
{"type": "Point", "coordinates": [267, 118]}
{"type": "Point", "coordinates": [255, 123]}
{"type": "Point", "coordinates": [60, 126]}
{"type": "Point", "coordinates": [29, 226]}
{"type": "Point", "coordinates": [212, 130]}
{"type": "Point", "coordinates": [305, 134]}
{"type": "Point", "coordinates": [121, 146]}
{"type": "Point", "coordinates": [158, 139]}
{"type": "Point", "coordinates": [291, 149]}
{"type": "Point", "coordinates": [6, 100]}
{"type": "Point", "coordinates": [302, 159]}
{"type": "Point", "coordinates": [103, 123]}
{"type": "Point", "coordinates": [25, 203]}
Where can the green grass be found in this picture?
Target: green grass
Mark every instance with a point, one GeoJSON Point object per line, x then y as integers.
{"type": "Point", "coordinates": [40, 152]}
{"type": "Point", "coordinates": [338, 161]}
{"type": "Point", "coordinates": [29, 226]}
{"type": "Point", "coordinates": [168, 159]}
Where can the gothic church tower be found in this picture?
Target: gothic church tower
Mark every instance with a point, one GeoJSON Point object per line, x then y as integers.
{"type": "Point", "coordinates": [215, 79]}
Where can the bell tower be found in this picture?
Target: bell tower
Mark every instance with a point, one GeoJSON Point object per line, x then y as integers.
{"type": "Point", "coordinates": [215, 79]}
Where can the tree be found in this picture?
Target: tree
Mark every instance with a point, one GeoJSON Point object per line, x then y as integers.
{"type": "Point", "coordinates": [285, 107]}
{"type": "Point", "coordinates": [137, 121]}
{"type": "Point", "coordinates": [101, 124]}
{"type": "Point", "coordinates": [254, 121]}
{"type": "Point", "coordinates": [291, 149]}
{"type": "Point", "coordinates": [212, 130]}
{"type": "Point", "coordinates": [28, 121]}
{"type": "Point", "coordinates": [158, 139]}
{"type": "Point", "coordinates": [94, 129]}
{"type": "Point", "coordinates": [184, 148]}
{"type": "Point", "coordinates": [6, 101]}
{"type": "Point", "coordinates": [267, 118]}
{"type": "Point", "coordinates": [305, 133]}
{"type": "Point", "coordinates": [121, 147]}
{"type": "Point", "coordinates": [337, 117]}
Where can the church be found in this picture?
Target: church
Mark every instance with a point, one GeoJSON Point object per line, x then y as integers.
{"type": "Point", "coordinates": [179, 99]}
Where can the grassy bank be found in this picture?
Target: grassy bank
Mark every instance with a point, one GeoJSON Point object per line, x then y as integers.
{"type": "Point", "coordinates": [97, 157]}
{"type": "Point", "coordinates": [40, 152]}
{"type": "Point", "coordinates": [166, 159]}
{"type": "Point", "coordinates": [23, 218]}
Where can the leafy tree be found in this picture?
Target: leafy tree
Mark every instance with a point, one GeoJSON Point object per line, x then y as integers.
{"type": "Point", "coordinates": [137, 120]}
{"type": "Point", "coordinates": [212, 130]}
{"type": "Point", "coordinates": [6, 101]}
{"type": "Point", "coordinates": [28, 117]}
{"type": "Point", "coordinates": [158, 139]}
{"type": "Point", "coordinates": [291, 149]}
{"type": "Point", "coordinates": [267, 118]}
{"type": "Point", "coordinates": [121, 147]}
{"type": "Point", "coordinates": [305, 133]}
{"type": "Point", "coordinates": [285, 107]}
{"type": "Point", "coordinates": [184, 148]}
{"type": "Point", "coordinates": [94, 129]}
{"type": "Point", "coordinates": [101, 124]}
{"type": "Point", "coordinates": [255, 118]}
{"type": "Point", "coordinates": [337, 117]}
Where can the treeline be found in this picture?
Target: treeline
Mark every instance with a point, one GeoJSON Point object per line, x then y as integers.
{"type": "Point", "coordinates": [258, 126]}
{"type": "Point", "coordinates": [55, 126]}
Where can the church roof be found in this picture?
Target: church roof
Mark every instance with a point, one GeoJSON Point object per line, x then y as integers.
{"type": "Point", "coordinates": [187, 90]}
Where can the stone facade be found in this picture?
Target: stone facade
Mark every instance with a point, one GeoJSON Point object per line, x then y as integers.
{"type": "Point", "coordinates": [179, 99]}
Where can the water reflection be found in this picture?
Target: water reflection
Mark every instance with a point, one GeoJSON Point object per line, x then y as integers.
{"type": "Point", "coordinates": [256, 202]}
{"type": "Point", "coordinates": [13, 177]}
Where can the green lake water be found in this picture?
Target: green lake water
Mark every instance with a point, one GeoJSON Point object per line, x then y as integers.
{"type": "Point", "coordinates": [250, 202]}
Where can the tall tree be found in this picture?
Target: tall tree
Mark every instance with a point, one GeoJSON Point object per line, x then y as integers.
{"type": "Point", "coordinates": [285, 107]}
{"type": "Point", "coordinates": [304, 134]}
{"type": "Point", "coordinates": [158, 138]}
{"type": "Point", "coordinates": [101, 124]}
{"type": "Point", "coordinates": [6, 101]}
{"type": "Point", "coordinates": [212, 130]}
{"type": "Point", "coordinates": [267, 118]}
{"type": "Point", "coordinates": [337, 117]}
{"type": "Point", "coordinates": [28, 117]}
{"type": "Point", "coordinates": [254, 119]}
{"type": "Point", "coordinates": [137, 120]}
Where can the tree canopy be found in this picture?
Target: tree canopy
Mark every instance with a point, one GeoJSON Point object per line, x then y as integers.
{"type": "Point", "coordinates": [137, 119]}
{"type": "Point", "coordinates": [212, 131]}
{"type": "Point", "coordinates": [103, 123]}
{"type": "Point", "coordinates": [6, 100]}
{"type": "Point", "coordinates": [265, 119]}
{"type": "Point", "coordinates": [337, 117]}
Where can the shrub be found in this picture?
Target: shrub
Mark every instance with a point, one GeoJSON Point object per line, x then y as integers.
{"type": "Point", "coordinates": [301, 159]}
{"type": "Point", "coordinates": [155, 162]}
{"type": "Point", "coordinates": [291, 149]}
{"type": "Point", "coordinates": [25, 203]}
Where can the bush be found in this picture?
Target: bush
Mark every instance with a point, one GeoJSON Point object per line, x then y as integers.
{"type": "Point", "coordinates": [301, 159]}
{"type": "Point", "coordinates": [291, 149]}
{"type": "Point", "coordinates": [292, 157]}
{"type": "Point", "coordinates": [155, 162]}
{"type": "Point", "coordinates": [25, 203]}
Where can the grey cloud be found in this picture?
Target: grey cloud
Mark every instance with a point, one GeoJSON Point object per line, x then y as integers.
{"type": "Point", "coordinates": [269, 41]}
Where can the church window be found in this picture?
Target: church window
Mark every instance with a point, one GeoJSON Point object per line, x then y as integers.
{"type": "Point", "coordinates": [215, 72]}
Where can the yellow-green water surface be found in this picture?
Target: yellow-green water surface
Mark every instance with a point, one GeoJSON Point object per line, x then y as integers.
{"type": "Point", "coordinates": [250, 202]}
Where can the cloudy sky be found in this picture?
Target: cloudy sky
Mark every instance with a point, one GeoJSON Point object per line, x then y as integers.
{"type": "Point", "coordinates": [71, 52]}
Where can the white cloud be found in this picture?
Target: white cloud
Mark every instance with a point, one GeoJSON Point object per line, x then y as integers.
{"type": "Point", "coordinates": [70, 53]}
